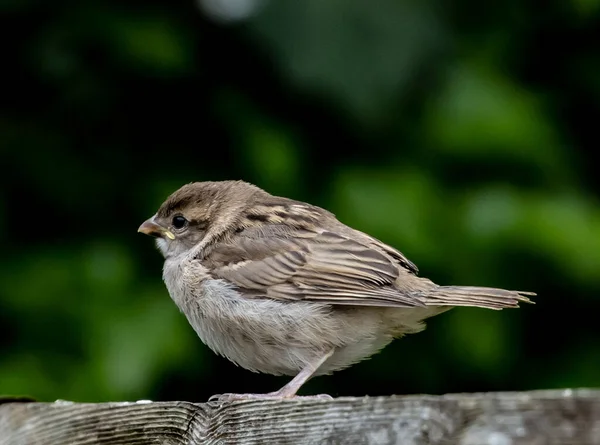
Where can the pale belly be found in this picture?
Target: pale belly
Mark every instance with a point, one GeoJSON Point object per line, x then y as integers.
{"type": "Point", "coordinates": [275, 337]}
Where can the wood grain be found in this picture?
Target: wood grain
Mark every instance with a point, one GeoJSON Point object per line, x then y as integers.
{"type": "Point", "coordinates": [537, 417]}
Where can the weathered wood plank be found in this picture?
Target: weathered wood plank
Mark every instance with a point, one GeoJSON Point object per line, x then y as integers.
{"type": "Point", "coordinates": [537, 417]}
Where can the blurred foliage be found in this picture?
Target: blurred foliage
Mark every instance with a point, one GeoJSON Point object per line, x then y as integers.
{"type": "Point", "coordinates": [462, 134]}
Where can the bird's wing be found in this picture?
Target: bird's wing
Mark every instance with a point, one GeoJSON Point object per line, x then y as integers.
{"type": "Point", "coordinates": [323, 266]}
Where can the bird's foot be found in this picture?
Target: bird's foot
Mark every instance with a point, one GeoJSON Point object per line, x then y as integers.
{"type": "Point", "coordinates": [230, 397]}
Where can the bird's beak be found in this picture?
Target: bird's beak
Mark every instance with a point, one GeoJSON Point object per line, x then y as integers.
{"type": "Point", "coordinates": [149, 227]}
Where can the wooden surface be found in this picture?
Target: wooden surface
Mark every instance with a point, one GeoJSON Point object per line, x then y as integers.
{"type": "Point", "coordinates": [539, 417]}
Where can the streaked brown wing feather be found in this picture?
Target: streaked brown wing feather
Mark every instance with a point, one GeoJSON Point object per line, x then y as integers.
{"type": "Point", "coordinates": [306, 265]}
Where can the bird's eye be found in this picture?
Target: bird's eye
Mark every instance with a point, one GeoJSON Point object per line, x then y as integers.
{"type": "Point", "coordinates": [179, 222]}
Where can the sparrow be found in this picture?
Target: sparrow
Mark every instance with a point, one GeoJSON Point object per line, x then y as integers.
{"type": "Point", "coordinates": [282, 287]}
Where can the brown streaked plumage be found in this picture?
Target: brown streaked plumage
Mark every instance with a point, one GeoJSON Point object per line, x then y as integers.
{"type": "Point", "coordinates": [282, 287]}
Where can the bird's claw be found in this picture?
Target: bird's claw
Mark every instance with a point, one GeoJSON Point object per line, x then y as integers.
{"type": "Point", "coordinates": [231, 397]}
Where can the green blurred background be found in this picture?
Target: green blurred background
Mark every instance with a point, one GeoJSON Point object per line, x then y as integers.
{"type": "Point", "coordinates": [462, 134]}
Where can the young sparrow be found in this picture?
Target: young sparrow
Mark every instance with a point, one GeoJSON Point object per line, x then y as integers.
{"type": "Point", "coordinates": [282, 287]}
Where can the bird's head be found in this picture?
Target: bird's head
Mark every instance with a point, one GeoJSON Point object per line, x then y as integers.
{"type": "Point", "coordinates": [197, 215]}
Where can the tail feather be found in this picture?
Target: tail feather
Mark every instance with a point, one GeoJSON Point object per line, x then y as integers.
{"type": "Point", "coordinates": [484, 297]}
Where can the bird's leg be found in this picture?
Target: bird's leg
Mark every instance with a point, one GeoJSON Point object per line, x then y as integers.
{"type": "Point", "coordinates": [301, 378]}
{"type": "Point", "coordinates": [288, 391]}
